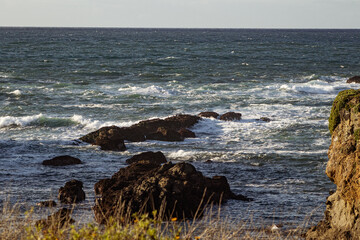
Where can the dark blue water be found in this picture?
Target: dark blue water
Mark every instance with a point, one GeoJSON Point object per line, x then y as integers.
{"type": "Point", "coordinates": [57, 85]}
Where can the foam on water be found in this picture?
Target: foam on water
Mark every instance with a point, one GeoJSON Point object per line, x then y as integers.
{"type": "Point", "coordinates": [18, 121]}
{"type": "Point", "coordinates": [16, 92]}
{"type": "Point", "coordinates": [153, 90]}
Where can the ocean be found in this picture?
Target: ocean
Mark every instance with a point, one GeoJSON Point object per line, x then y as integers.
{"type": "Point", "coordinates": [58, 84]}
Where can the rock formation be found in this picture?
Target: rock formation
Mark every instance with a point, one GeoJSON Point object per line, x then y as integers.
{"type": "Point", "coordinates": [57, 220]}
{"type": "Point", "coordinates": [72, 192]}
{"type": "Point", "coordinates": [209, 114]}
{"type": "Point", "coordinates": [342, 215]}
{"type": "Point", "coordinates": [179, 190]}
{"type": "Point", "coordinates": [148, 157]}
{"type": "Point", "coordinates": [62, 161]}
{"type": "Point", "coordinates": [230, 116]}
{"type": "Point", "coordinates": [354, 79]}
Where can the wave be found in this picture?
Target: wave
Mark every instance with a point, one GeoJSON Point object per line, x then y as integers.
{"type": "Point", "coordinates": [17, 92]}
{"type": "Point", "coordinates": [152, 90]}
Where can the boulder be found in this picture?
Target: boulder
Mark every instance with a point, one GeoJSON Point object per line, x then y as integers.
{"type": "Point", "coordinates": [342, 214]}
{"type": "Point", "coordinates": [186, 133]}
{"type": "Point", "coordinates": [230, 116]}
{"type": "Point", "coordinates": [148, 129]}
{"type": "Point", "coordinates": [62, 161]}
{"type": "Point", "coordinates": [56, 221]}
{"type": "Point", "coordinates": [72, 192]}
{"type": "Point", "coordinates": [178, 190]}
{"type": "Point", "coordinates": [49, 203]}
{"type": "Point", "coordinates": [209, 114]}
{"type": "Point", "coordinates": [354, 79]}
{"type": "Point", "coordinates": [149, 157]}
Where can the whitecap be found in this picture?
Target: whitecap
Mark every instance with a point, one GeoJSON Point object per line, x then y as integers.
{"type": "Point", "coordinates": [17, 92]}
{"type": "Point", "coordinates": [18, 121]}
{"type": "Point", "coordinates": [152, 90]}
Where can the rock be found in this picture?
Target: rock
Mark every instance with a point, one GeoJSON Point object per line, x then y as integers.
{"type": "Point", "coordinates": [49, 203]}
{"type": "Point", "coordinates": [165, 134]}
{"type": "Point", "coordinates": [72, 192]}
{"type": "Point", "coordinates": [148, 129]}
{"type": "Point", "coordinates": [186, 133]}
{"type": "Point", "coordinates": [56, 221]}
{"type": "Point", "coordinates": [230, 116]}
{"type": "Point", "coordinates": [264, 119]}
{"type": "Point", "coordinates": [178, 189]}
{"type": "Point", "coordinates": [148, 157]}
{"type": "Point", "coordinates": [354, 79]}
{"type": "Point", "coordinates": [62, 161]}
{"type": "Point", "coordinates": [208, 161]}
{"type": "Point", "coordinates": [209, 114]}
{"type": "Point", "coordinates": [342, 214]}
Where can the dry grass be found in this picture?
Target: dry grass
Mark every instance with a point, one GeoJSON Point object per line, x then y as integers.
{"type": "Point", "coordinates": [15, 223]}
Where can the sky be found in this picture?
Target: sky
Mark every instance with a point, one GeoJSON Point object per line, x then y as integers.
{"type": "Point", "coordinates": [181, 13]}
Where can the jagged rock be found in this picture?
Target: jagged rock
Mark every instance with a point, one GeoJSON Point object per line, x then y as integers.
{"type": "Point", "coordinates": [230, 116]}
{"type": "Point", "coordinates": [209, 114]}
{"type": "Point", "coordinates": [49, 203]}
{"type": "Point", "coordinates": [57, 220]}
{"type": "Point", "coordinates": [72, 192]}
{"type": "Point", "coordinates": [148, 157]}
{"type": "Point", "coordinates": [342, 215]}
{"type": "Point", "coordinates": [354, 79]}
{"type": "Point", "coordinates": [62, 161]}
{"type": "Point", "coordinates": [165, 134]}
{"type": "Point", "coordinates": [147, 186]}
{"type": "Point", "coordinates": [141, 131]}
{"type": "Point", "coordinates": [186, 133]}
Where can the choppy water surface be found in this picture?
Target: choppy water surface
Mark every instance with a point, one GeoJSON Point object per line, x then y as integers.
{"type": "Point", "coordinates": [59, 84]}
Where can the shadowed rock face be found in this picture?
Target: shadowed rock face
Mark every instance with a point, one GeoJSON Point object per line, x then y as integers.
{"type": "Point", "coordinates": [354, 79]}
{"type": "Point", "coordinates": [230, 116]}
{"type": "Point", "coordinates": [146, 186]}
{"type": "Point", "coordinates": [111, 138]}
{"type": "Point", "coordinates": [149, 157]}
{"type": "Point", "coordinates": [57, 220]}
{"type": "Point", "coordinates": [62, 161]}
{"type": "Point", "coordinates": [72, 192]}
{"type": "Point", "coordinates": [209, 114]}
{"type": "Point", "coordinates": [342, 215]}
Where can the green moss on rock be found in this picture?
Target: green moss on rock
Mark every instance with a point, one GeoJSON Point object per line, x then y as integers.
{"type": "Point", "coordinates": [357, 134]}
{"type": "Point", "coordinates": [340, 102]}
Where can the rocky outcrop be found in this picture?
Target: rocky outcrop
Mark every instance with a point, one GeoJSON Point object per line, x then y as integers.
{"type": "Point", "coordinates": [111, 138]}
{"type": "Point", "coordinates": [230, 116]}
{"type": "Point", "coordinates": [264, 119]}
{"type": "Point", "coordinates": [62, 161]}
{"type": "Point", "coordinates": [72, 192]}
{"type": "Point", "coordinates": [48, 203]}
{"type": "Point", "coordinates": [354, 79]}
{"type": "Point", "coordinates": [176, 190]}
{"type": "Point", "coordinates": [56, 221]}
{"type": "Point", "coordinates": [342, 215]}
{"type": "Point", "coordinates": [209, 114]}
{"type": "Point", "coordinates": [148, 157]}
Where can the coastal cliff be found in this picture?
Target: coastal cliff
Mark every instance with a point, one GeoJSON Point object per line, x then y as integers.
{"type": "Point", "coordinates": [342, 214]}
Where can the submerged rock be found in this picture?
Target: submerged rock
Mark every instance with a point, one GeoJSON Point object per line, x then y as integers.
{"type": "Point", "coordinates": [72, 192]}
{"type": "Point", "coordinates": [62, 161]}
{"type": "Point", "coordinates": [342, 215]}
{"type": "Point", "coordinates": [230, 116]}
{"type": "Point", "coordinates": [148, 157]}
{"type": "Point", "coordinates": [179, 190]}
{"type": "Point", "coordinates": [354, 79]}
{"type": "Point", "coordinates": [264, 119]}
{"type": "Point", "coordinates": [57, 220]}
{"type": "Point", "coordinates": [209, 114]}
{"type": "Point", "coordinates": [111, 138]}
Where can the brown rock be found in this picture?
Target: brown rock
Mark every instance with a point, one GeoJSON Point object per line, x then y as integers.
{"type": "Point", "coordinates": [49, 203]}
{"type": "Point", "coordinates": [342, 215]}
{"type": "Point", "coordinates": [146, 187]}
{"type": "Point", "coordinates": [355, 79]}
{"type": "Point", "coordinates": [149, 157]}
{"type": "Point", "coordinates": [230, 116]}
{"type": "Point", "coordinates": [72, 192]}
{"type": "Point", "coordinates": [56, 221]}
{"type": "Point", "coordinates": [209, 114]}
{"type": "Point", "coordinates": [165, 134]}
{"type": "Point", "coordinates": [264, 119]}
{"type": "Point", "coordinates": [186, 133]}
{"type": "Point", "coordinates": [62, 161]}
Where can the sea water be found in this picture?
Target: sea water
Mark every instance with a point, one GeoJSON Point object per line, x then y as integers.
{"type": "Point", "coordinates": [57, 85]}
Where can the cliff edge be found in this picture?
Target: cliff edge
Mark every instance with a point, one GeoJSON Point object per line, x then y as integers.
{"type": "Point", "coordinates": [342, 214]}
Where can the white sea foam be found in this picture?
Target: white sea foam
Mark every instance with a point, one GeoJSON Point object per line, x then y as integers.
{"type": "Point", "coordinates": [19, 121]}
{"type": "Point", "coordinates": [17, 92]}
{"type": "Point", "coordinates": [147, 90]}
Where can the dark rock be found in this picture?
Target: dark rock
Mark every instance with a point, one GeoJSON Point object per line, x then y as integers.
{"type": "Point", "coordinates": [72, 192]}
{"type": "Point", "coordinates": [111, 145]}
{"type": "Point", "coordinates": [145, 187]}
{"type": "Point", "coordinates": [354, 79]}
{"type": "Point", "coordinates": [49, 203]}
{"type": "Point", "coordinates": [62, 161]}
{"type": "Point", "coordinates": [57, 220]}
{"type": "Point", "coordinates": [208, 161]}
{"type": "Point", "coordinates": [209, 114]}
{"type": "Point", "coordinates": [148, 157]}
{"type": "Point", "coordinates": [165, 134]}
{"type": "Point", "coordinates": [186, 133]}
{"type": "Point", "coordinates": [139, 132]}
{"type": "Point", "coordinates": [230, 116]}
{"type": "Point", "coordinates": [264, 119]}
